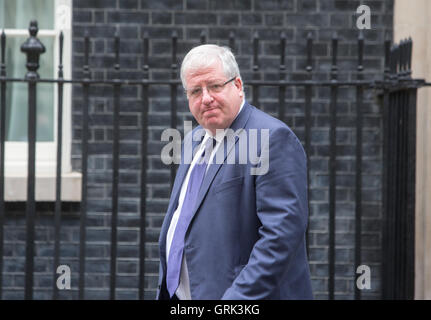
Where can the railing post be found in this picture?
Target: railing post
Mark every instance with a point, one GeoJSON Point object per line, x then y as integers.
{"type": "Point", "coordinates": [386, 137]}
{"type": "Point", "coordinates": [174, 75]}
{"type": "Point", "coordinates": [399, 173]}
{"type": "Point", "coordinates": [332, 166]}
{"type": "Point", "coordinates": [57, 215]}
{"type": "Point", "coordinates": [256, 68]}
{"type": "Point", "coordinates": [33, 48]}
{"type": "Point", "coordinates": [2, 148]}
{"type": "Point", "coordinates": [84, 169]}
{"type": "Point", "coordinates": [115, 170]}
{"type": "Point", "coordinates": [358, 179]}
{"type": "Point", "coordinates": [410, 193]}
{"type": "Point", "coordinates": [307, 136]}
{"type": "Point", "coordinates": [144, 157]}
{"type": "Point", "coordinates": [282, 76]}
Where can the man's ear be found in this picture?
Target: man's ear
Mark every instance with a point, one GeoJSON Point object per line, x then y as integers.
{"type": "Point", "coordinates": [238, 84]}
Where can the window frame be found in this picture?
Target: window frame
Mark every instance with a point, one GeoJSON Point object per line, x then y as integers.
{"type": "Point", "coordinates": [16, 152]}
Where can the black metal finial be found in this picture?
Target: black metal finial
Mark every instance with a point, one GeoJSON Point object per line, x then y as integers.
{"type": "Point", "coordinates": [334, 68]}
{"type": "Point", "coordinates": [409, 56]}
{"type": "Point", "coordinates": [406, 57]}
{"type": "Point", "coordinates": [117, 51]}
{"type": "Point", "coordinates": [60, 65]}
{"type": "Point", "coordinates": [33, 29]}
{"type": "Point", "coordinates": [3, 46]}
{"type": "Point", "coordinates": [33, 48]}
{"type": "Point", "coordinates": [394, 59]}
{"type": "Point", "coordinates": [387, 36]}
{"type": "Point", "coordinates": [232, 41]}
{"type": "Point", "coordinates": [145, 49]}
{"type": "Point", "coordinates": [174, 50]}
{"type": "Point", "coordinates": [402, 57]}
{"type": "Point", "coordinates": [282, 50]}
{"type": "Point", "coordinates": [255, 51]}
{"type": "Point", "coordinates": [397, 59]}
{"type": "Point", "coordinates": [360, 51]}
{"type": "Point", "coordinates": [86, 67]}
{"type": "Point", "coordinates": [61, 38]}
{"type": "Point", "coordinates": [203, 37]}
{"type": "Point", "coordinates": [309, 66]}
{"type": "Point", "coordinates": [2, 58]}
{"type": "Point", "coordinates": [387, 48]}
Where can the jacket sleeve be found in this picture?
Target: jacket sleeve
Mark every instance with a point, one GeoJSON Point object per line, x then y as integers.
{"type": "Point", "coordinates": [281, 203]}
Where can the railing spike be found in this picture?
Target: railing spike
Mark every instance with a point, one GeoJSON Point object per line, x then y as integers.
{"type": "Point", "coordinates": [334, 55]}
{"type": "Point", "coordinates": [255, 51]}
{"type": "Point", "coordinates": [117, 51]}
{"type": "Point", "coordinates": [387, 49]}
{"type": "Point", "coordinates": [3, 46]}
{"type": "Point", "coordinates": [203, 37]}
{"type": "Point", "coordinates": [232, 40]}
{"type": "Point", "coordinates": [309, 66]}
{"type": "Point", "coordinates": [387, 36]}
{"type": "Point", "coordinates": [86, 51]}
{"type": "Point", "coordinates": [60, 66]}
{"type": "Point", "coordinates": [409, 56]}
{"type": "Point", "coordinates": [174, 53]}
{"type": "Point", "coordinates": [360, 51]}
{"type": "Point", "coordinates": [145, 49]}
{"type": "Point", "coordinates": [401, 56]}
{"type": "Point", "coordinates": [282, 50]}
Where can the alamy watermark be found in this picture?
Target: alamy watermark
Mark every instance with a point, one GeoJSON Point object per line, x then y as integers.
{"type": "Point", "coordinates": [364, 280]}
{"type": "Point", "coordinates": [63, 281]}
{"type": "Point", "coordinates": [364, 20]}
{"type": "Point", "coordinates": [253, 147]}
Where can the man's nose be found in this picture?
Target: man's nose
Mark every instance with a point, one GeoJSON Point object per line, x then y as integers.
{"type": "Point", "coordinates": [206, 96]}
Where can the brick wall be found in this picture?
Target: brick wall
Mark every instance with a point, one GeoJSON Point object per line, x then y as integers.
{"type": "Point", "coordinates": [131, 18]}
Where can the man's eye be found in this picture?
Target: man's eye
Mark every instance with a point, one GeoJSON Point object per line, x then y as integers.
{"type": "Point", "coordinates": [215, 87]}
{"type": "Point", "coordinates": [196, 91]}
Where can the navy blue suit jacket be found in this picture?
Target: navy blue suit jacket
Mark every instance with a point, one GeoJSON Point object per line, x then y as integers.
{"type": "Point", "coordinates": [247, 236]}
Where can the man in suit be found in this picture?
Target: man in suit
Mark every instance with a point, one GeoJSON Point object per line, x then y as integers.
{"type": "Point", "coordinates": [234, 229]}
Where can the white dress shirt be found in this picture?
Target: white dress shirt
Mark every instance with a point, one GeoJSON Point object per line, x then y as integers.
{"type": "Point", "coordinates": [183, 290]}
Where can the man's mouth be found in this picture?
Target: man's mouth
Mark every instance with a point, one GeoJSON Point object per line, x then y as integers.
{"type": "Point", "coordinates": [210, 109]}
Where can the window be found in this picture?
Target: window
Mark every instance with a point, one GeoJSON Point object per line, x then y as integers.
{"type": "Point", "coordinates": [53, 16]}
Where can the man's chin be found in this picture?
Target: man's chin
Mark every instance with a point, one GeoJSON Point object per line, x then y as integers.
{"type": "Point", "coordinates": [212, 124]}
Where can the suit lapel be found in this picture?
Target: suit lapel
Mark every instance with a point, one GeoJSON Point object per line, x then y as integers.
{"type": "Point", "coordinates": [238, 125]}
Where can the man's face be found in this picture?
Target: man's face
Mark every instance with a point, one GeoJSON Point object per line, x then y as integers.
{"type": "Point", "coordinates": [213, 110]}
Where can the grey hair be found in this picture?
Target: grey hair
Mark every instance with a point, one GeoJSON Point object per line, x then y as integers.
{"type": "Point", "coordinates": [204, 56]}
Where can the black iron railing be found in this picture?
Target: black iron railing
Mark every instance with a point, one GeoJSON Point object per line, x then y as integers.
{"type": "Point", "coordinates": [399, 105]}
{"type": "Point", "coordinates": [400, 173]}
